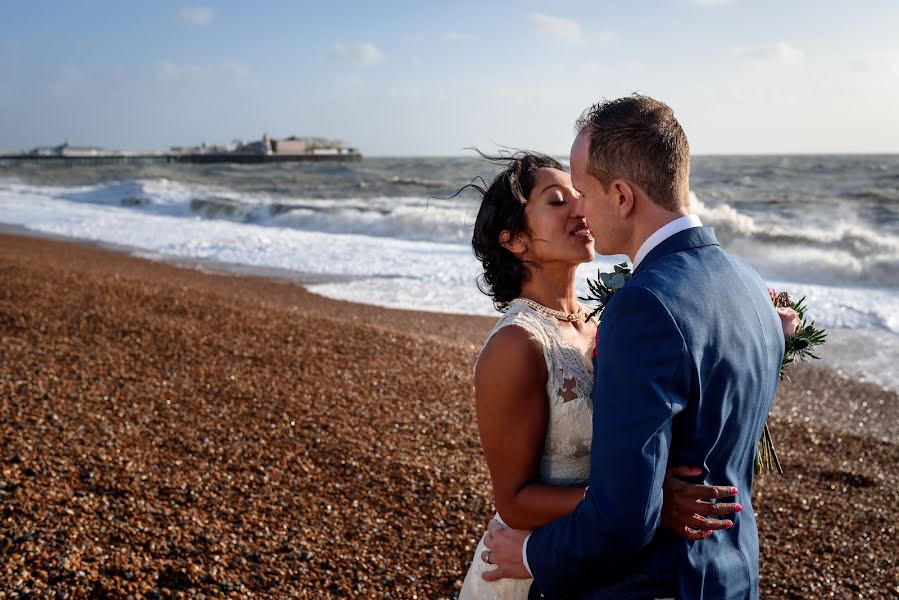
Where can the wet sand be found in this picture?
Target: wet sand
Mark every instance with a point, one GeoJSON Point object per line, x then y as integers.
{"type": "Point", "coordinates": [170, 432]}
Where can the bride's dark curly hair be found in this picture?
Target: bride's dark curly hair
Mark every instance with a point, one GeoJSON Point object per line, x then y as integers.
{"type": "Point", "coordinates": [502, 208]}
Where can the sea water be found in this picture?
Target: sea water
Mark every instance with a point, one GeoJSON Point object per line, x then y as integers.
{"type": "Point", "coordinates": [385, 230]}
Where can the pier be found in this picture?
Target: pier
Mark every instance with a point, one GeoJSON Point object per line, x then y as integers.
{"type": "Point", "coordinates": [224, 157]}
{"type": "Point", "coordinates": [265, 150]}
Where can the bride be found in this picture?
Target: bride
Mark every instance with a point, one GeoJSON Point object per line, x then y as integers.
{"type": "Point", "coordinates": [534, 376]}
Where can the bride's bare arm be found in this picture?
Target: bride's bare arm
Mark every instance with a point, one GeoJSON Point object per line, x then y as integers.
{"type": "Point", "coordinates": [510, 392]}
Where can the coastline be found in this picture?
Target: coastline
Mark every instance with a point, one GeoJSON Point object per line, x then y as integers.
{"type": "Point", "coordinates": [229, 433]}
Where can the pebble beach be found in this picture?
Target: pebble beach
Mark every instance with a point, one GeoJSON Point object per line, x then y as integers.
{"type": "Point", "coordinates": [173, 432]}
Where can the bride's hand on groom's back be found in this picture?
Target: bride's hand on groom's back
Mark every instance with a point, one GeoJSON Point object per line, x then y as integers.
{"type": "Point", "coordinates": [687, 509]}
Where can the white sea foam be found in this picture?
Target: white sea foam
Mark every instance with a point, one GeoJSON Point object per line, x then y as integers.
{"type": "Point", "coordinates": [399, 252]}
{"type": "Point", "coordinates": [412, 218]}
{"type": "Point", "coordinates": [841, 253]}
{"type": "Point", "coordinates": [837, 253]}
{"type": "Point", "coordinates": [243, 243]}
{"type": "Point", "coordinates": [723, 217]}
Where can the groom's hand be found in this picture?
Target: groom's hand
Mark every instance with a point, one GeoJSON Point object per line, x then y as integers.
{"type": "Point", "coordinates": [686, 510]}
{"type": "Point", "coordinates": [504, 550]}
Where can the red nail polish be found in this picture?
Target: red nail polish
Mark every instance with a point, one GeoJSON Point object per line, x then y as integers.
{"type": "Point", "coordinates": [739, 507]}
{"type": "Point", "coordinates": [729, 524]}
{"type": "Point", "coordinates": [734, 492]}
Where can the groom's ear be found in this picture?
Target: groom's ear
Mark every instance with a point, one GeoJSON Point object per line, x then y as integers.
{"type": "Point", "coordinates": [515, 245]}
{"type": "Point", "coordinates": [624, 197]}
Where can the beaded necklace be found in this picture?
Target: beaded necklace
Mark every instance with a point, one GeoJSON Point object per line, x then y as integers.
{"type": "Point", "coordinates": [551, 312]}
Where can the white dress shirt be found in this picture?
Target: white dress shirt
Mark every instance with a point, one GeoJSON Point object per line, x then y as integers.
{"type": "Point", "coordinates": [662, 234]}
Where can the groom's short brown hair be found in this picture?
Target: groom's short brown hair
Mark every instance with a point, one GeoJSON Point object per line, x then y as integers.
{"type": "Point", "coordinates": [637, 138]}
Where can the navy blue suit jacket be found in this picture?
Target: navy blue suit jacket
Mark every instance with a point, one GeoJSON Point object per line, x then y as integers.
{"type": "Point", "coordinates": [687, 364]}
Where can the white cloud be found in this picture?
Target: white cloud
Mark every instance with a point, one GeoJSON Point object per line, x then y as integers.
{"type": "Point", "coordinates": [558, 28]}
{"type": "Point", "coordinates": [196, 15]}
{"type": "Point", "coordinates": [877, 63]}
{"type": "Point", "coordinates": [779, 53]}
{"type": "Point", "coordinates": [167, 70]}
{"type": "Point", "coordinates": [455, 36]}
{"type": "Point", "coordinates": [348, 81]}
{"type": "Point", "coordinates": [237, 68]}
{"type": "Point", "coordinates": [413, 38]}
{"type": "Point", "coordinates": [359, 55]}
{"type": "Point", "coordinates": [227, 72]}
{"type": "Point", "coordinates": [607, 37]}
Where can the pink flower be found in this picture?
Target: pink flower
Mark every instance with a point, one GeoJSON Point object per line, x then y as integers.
{"type": "Point", "coordinates": [789, 321]}
{"type": "Point", "coordinates": [773, 293]}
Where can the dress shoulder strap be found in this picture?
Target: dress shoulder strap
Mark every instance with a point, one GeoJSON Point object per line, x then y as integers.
{"type": "Point", "coordinates": [529, 320]}
{"type": "Point", "coordinates": [538, 327]}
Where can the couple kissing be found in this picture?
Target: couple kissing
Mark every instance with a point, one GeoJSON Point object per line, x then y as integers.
{"type": "Point", "coordinates": [621, 450]}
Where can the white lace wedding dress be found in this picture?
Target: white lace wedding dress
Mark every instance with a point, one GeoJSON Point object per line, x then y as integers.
{"type": "Point", "coordinates": [566, 452]}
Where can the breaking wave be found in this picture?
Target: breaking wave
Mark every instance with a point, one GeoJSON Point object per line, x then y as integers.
{"type": "Point", "coordinates": [845, 252]}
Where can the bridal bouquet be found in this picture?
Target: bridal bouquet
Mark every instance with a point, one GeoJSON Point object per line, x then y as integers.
{"type": "Point", "coordinates": [801, 336]}
{"type": "Point", "coordinates": [800, 339]}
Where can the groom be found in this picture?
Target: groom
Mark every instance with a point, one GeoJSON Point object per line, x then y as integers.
{"type": "Point", "coordinates": [687, 363]}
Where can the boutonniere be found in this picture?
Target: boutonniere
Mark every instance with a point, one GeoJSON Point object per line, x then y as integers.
{"type": "Point", "coordinates": [605, 286]}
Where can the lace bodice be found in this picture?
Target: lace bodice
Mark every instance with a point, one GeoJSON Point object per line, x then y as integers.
{"type": "Point", "coordinates": [569, 434]}
{"type": "Point", "coordinates": [569, 390]}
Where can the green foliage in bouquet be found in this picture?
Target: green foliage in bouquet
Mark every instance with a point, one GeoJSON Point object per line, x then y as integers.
{"type": "Point", "coordinates": [800, 346]}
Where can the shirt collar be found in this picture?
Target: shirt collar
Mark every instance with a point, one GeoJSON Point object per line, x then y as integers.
{"type": "Point", "coordinates": [665, 232]}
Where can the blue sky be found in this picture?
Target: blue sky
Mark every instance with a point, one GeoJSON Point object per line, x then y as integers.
{"type": "Point", "coordinates": [404, 78]}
